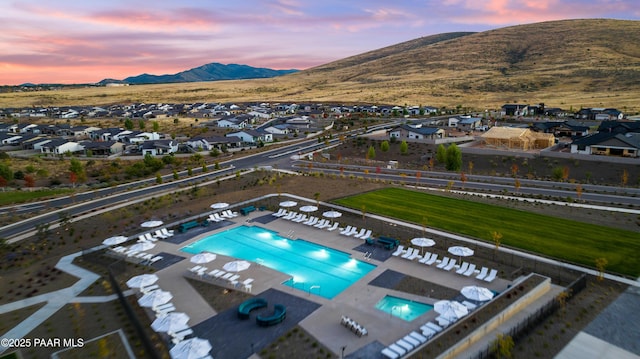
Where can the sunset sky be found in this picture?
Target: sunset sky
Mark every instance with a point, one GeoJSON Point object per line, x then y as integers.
{"type": "Point", "coordinates": [71, 41]}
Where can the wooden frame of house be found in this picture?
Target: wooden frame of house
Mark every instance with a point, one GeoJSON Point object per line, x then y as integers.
{"type": "Point", "coordinates": [517, 138]}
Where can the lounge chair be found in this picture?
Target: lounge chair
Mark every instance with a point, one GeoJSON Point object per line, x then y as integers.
{"type": "Point", "coordinates": [428, 332]}
{"type": "Point", "coordinates": [320, 223]}
{"type": "Point", "coordinates": [155, 259]}
{"type": "Point", "coordinates": [443, 322]}
{"type": "Point", "coordinates": [167, 232]}
{"type": "Point", "coordinates": [300, 218]}
{"type": "Point", "coordinates": [451, 264]}
{"type": "Point", "coordinates": [411, 340]}
{"type": "Point", "coordinates": [213, 273]}
{"type": "Point", "coordinates": [388, 353]}
{"type": "Point", "coordinates": [119, 249]}
{"type": "Point", "coordinates": [419, 337]}
{"type": "Point", "coordinates": [444, 262]}
{"type": "Point", "coordinates": [333, 227]}
{"type": "Point", "coordinates": [408, 253]}
{"type": "Point", "coordinates": [215, 218]}
{"type": "Point", "coordinates": [404, 344]}
{"type": "Point", "coordinates": [220, 274]}
{"type": "Point", "coordinates": [149, 237]}
{"type": "Point", "coordinates": [367, 235]}
{"type": "Point", "coordinates": [492, 275]}
{"type": "Point", "coordinates": [281, 212]}
{"type": "Point", "coordinates": [149, 288]}
{"type": "Point", "coordinates": [433, 259]}
{"type": "Point", "coordinates": [290, 215]}
{"type": "Point", "coordinates": [179, 336]}
{"type": "Point", "coordinates": [483, 273]}
{"type": "Point", "coordinates": [463, 268]}
{"type": "Point", "coordinates": [233, 278]}
{"type": "Point", "coordinates": [398, 251]}
{"type": "Point", "coordinates": [195, 269]}
{"type": "Point", "coordinates": [159, 234]}
{"type": "Point", "coordinates": [361, 233]}
{"type": "Point", "coordinates": [231, 214]}
{"type": "Point", "coordinates": [346, 230]}
{"type": "Point", "coordinates": [416, 254]}
{"type": "Point", "coordinates": [434, 326]}
{"type": "Point", "coordinates": [163, 306]}
{"type": "Point", "coordinates": [469, 305]}
{"type": "Point", "coordinates": [398, 349]}
{"type": "Point", "coordinates": [141, 238]}
{"type": "Point", "coordinates": [353, 231]}
{"type": "Point", "coordinates": [425, 258]}
{"type": "Point", "coordinates": [311, 221]}
{"type": "Point", "coordinates": [227, 276]}
{"type": "Point", "coordinates": [470, 270]}
{"type": "Point", "coordinates": [326, 225]}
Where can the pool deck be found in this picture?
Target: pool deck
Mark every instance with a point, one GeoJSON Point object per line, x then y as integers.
{"type": "Point", "coordinates": [356, 302]}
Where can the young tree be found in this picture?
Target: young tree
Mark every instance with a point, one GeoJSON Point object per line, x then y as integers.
{"type": "Point", "coordinates": [454, 158]}
{"type": "Point", "coordinates": [497, 239]}
{"type": "Point", "coordinates": [175, 175]}
{"type": "Point", "coordinates": [141, 124]}
{"type": "Point", "coordinates": [601, 264]}
{"type": "Point", "coordinates": [77, 168]}
{"type": "Point", "coordinates": [158, 178]}
{"type": "Point", "coordinates": [470, 167]}
{"type": "Point", "coordinates": [514, 170]}
{"type": "Point", "coordinates": [463, 178]}
{"type": "Point", "coordinates": [404, 148]}
{"type": "Point", "coordinates": [516, 184]}
{"type": "Point", "coordinates": [371, 154]}
{"type": "Point", "coordinates": [431, 163]}
{"type": "Point", "coordinates": [29, 181]}
{"type": "Point", "coordinates": [441, 154]}
{"type": "Point", "coordinates": [502, 347]}
{"type": "Point", "coordinates": [156, 126]}
{"type": "Point", "coordinates": [624, 177]}
{"type": "Point", "coordinates": [384, 146]}
{"type": "Point", "coordinates": [128, 124]}
{"type": "Point", "coordinates": [579, 191]}
{"type": "Point", "coordinates": [565, 173]}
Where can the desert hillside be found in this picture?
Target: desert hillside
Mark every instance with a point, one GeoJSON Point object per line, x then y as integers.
{"type": "Point", "coordinates": [568, 64]}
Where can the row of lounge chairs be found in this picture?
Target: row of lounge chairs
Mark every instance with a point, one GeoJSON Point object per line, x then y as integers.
{"type": "Point", "coordinates": [307, 220]}
{"type": "Point", "coordinates": [352, 325]}
{"type": "Point", "coordinates": [162, 233]}
{"type": "Point", "coordinates": [352, 231]}
{"type": "Point", "coordinates": [230, 277]}
{"type": "Point", "coordinates": [222, 216]}
{"type": "Point", "coordinates": [466, 269]}
{"type": "Point", "coordinates": [137, 256]}
{"type": "Point", "coordinates": [404, 345]}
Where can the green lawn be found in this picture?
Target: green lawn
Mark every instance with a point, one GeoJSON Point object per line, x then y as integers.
{"type": "Point", "coordinates": [567, 240]}
{"type": "Point", "coordinates": [15, 197]}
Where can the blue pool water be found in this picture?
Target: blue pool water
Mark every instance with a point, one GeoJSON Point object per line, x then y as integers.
{"type": "Point", "coordinates": [313, 268]}
{"type": "Point", "coordinates": [402, 308]}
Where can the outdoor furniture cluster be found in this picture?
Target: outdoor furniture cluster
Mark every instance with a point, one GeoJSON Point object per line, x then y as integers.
{"type": "Point", "coordinates": [224, 215]}
{"type": "Point", "coordinates": [183, 227]}
{"type": "Point", "coordinates": [363, 233]}
{"type": "Point", "coordinates": [352, 325]}
{"type": "Point", "coordinates": [247, 306]}
{"type": "Point", "coordinates": [388, 242]}
{"type": "Point", "coordinates": [278, 315]}
{"type": "Point", "coordinates": [404, 345]}
{"type": "Point", "coordinates": [137, 252]}
{"type": "Point", "coordinates": [246, 210]}
{"type": "Point", "coordinates": [312, 221]}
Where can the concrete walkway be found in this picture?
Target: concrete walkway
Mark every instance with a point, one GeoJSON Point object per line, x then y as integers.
{"type": "Point", "coordinates": [54, 300]}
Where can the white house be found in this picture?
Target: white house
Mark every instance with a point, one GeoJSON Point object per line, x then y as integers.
{"type": "Point", "coordinates": [158, 147]}
{"type": "Point", "coordinates": [252, 136]}
{"type": "Point", "coordinates": [57, 147]}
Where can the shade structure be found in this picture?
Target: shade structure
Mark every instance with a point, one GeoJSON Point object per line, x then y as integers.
{"type": "Point", "coordinates": [461, 251]}
{"type": "Point", "coordinates": [220, 205]}
{"type": "Point", "coordinates": [287, 204]}
{"type": "Point", "coordinates": [450, 310]}
{"type": "Point", "coordinates": [332, 214]}
{"type": "Point", "coordinates": [204, 257]}
{"type": "Point", "coordinates": [479, 294]}
{"type": "Point", "coordinates": [155, 298]}
{"type": "Point", "coordinates": [111, 241]}
{"type": "Point", "coordinates": [172, 322]}
{"type": "Point", "coordinates": [193, 348]}
{"type": "Point", "coordinates": [308, 208]}
{"type": "Point", "coordinates": [151, 224]}
{"type": "Point", "coordinates": [236, 266]}
{"type": "Point", "coordinates": [422, 242]}
{"type": "Point", "coordinates": [142, 246]}
{"type": "Point", "coordinates": [142, 280]}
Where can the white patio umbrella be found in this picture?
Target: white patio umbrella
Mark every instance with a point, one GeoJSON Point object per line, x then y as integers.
{"type": "Point", "coordinates": [191, 349]}
{"type": "Point", "coordinates": [142, 246]}
{"type": "Point", "coordinates": [450, 310]}
{"type": "Point", "coordinates": [332, 214]}
{"type": "Point", "coordinates": [461, 251]}
{"type": "Point", "coordinates": [155, 298]}
{"type": "Point", "coordinates": [151, 224]}
{"type": "Point", "coordinates": [288, 204]}
{"type": "Point", "coordinates": [220, 205]}
{"type": "Point", "coordinates": [204, 257]}
{"type": "Point", "coordinates": [476, 293]}
{"type": "Point", "coordinates": [172, 322]}
{"type": "Point", "coordinates": [308, 208]}
{"type": "Point", "coordinates": [111, 241]}
{"type": "Point", "coordinates": [236, 266]}
{"type": "Point", "coordinates": [422, 242]}
{"type": "Point", "coordinates": [142, 280]}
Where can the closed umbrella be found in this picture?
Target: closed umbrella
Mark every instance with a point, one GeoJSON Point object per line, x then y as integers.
{"type": "Point", "coordinates": [479, 294]}
{"type": "Point", "coordinates": [172, 322]}
{"type": "Point", "coordinates": [142, 246]}
{"type": "Point", "coordinates": [236, 266]}
{"type": "Point", "coordinates": [332, 214]}
{"type": "Point", "coordinates": [204, 257]}
{"type": "Point", "coordinates": [220, 205]}
{"type": "Point", "coordinates": [287, 204]}
{"type": "Point", "coordinates": [193, 348]}
{"type": "Point", "coordinates": [422, 242]}
{"type": "Point", "coordinates": [151, 224]}
{"type": "Point", "coordinates": [142, 280]}
{"type": "Point", "coordinates": [450, 310]}
{"type": "Point", "coordinates": [111, 241]}
{"type": "Point", "coordinates": [308, 208]}
{"type": "Point", "coordinates": [155, 298]}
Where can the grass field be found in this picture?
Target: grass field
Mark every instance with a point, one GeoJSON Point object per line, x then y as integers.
{"type": "Point", "coordinates": [559, 238]}
{"type": "Point", "coordinates": [13, 197]}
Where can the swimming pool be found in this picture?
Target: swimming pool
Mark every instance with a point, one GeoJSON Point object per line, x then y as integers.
{"type": "Point", "coordinates": [404, 309]}
{"type": "Point", "coordinates": [313, 268]}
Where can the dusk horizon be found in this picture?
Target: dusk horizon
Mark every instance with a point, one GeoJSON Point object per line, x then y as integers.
{"type": "Point", "coordinates": [75, 42]}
